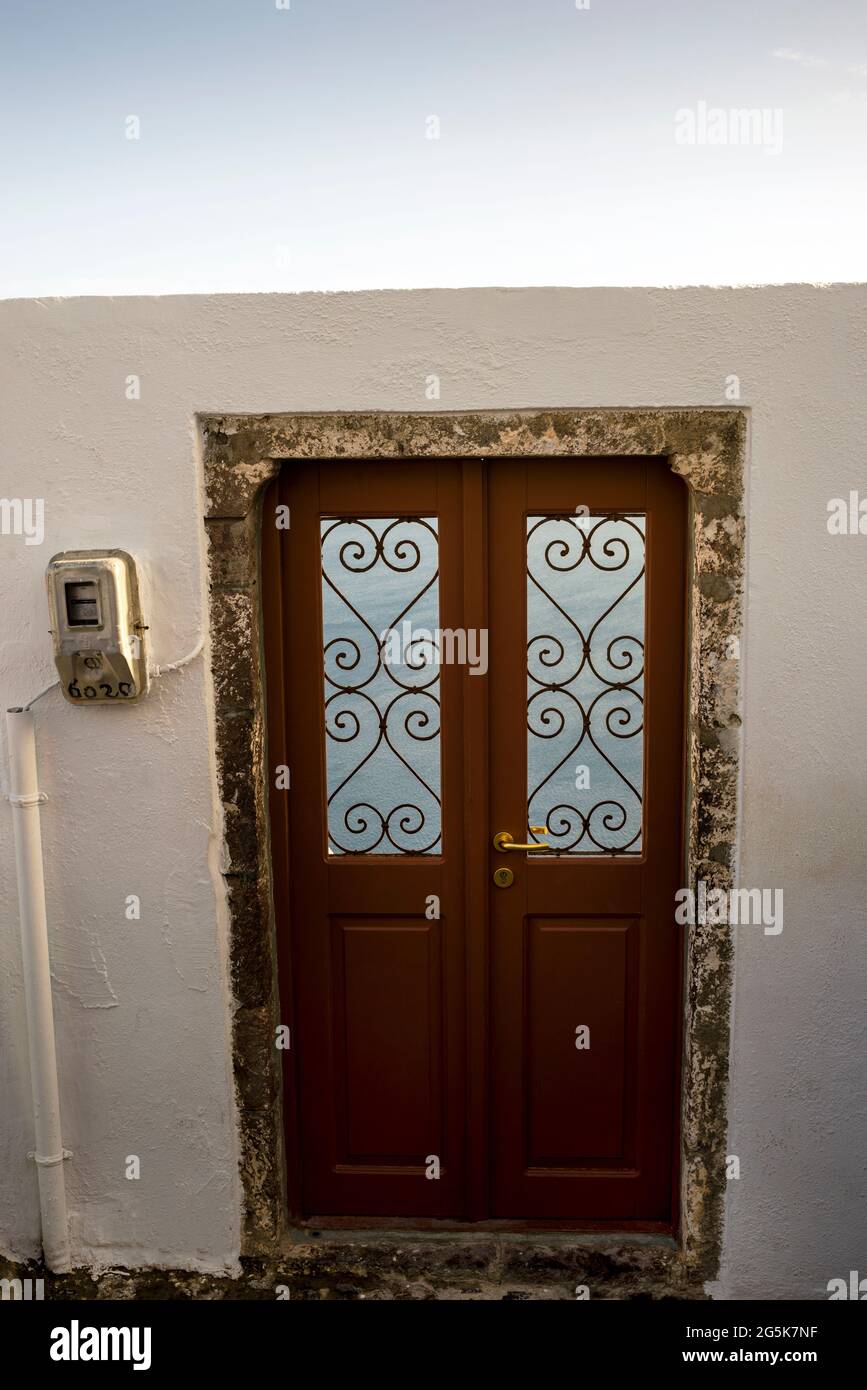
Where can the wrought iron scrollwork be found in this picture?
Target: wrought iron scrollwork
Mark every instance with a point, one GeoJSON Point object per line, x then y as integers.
{"type": "Point", "coordinates": [382, 716]}
{"type": "Point", "coordinates": [585, 697]}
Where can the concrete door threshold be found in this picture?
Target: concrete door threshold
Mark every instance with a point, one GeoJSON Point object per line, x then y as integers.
{"type": "Point", "coordinates": [378, 1265]}
{"type": "Point", "coordinates": [483, 1265]}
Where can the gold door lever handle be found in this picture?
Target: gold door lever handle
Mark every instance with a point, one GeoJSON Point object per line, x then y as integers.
{"type": "Point", "coordinates": [503, 841]}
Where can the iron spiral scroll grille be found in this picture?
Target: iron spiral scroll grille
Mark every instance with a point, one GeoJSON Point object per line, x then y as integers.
{"type": "Point", "coordinates": [585, 688]}
{"type": "Point", "coordinates": [380, 610]}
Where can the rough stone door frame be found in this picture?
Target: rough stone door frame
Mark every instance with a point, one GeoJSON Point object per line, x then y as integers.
{"type": "Point", "coordinates": [707, 447]}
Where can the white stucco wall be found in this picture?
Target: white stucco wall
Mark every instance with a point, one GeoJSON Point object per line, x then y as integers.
{"type": "Point", "coordinates": [142, 1007]}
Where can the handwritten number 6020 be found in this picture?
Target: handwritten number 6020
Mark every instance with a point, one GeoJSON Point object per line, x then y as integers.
{"type": "Point", "coordinates": [123, 690]}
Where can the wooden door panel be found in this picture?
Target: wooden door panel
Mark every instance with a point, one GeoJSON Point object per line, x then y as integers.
{"type": "Point", "coordinates": [387, 1011]}
{"type": "Point", "coordinates": [581, 974]}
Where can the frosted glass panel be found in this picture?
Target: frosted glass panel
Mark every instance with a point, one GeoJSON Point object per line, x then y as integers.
{"type": "Point", "coordinates": [380, 615]}
{"type": "Point", "coordinates": [585, 681]}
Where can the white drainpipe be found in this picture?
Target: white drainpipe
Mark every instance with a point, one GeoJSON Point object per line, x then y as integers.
{"type": "Point", "coordinates": [49, 1155]}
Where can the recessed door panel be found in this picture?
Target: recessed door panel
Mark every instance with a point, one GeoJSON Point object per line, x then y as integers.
{"type": "Point", "coordinates": [387, 1009]}
{"type": "Point", "coordinates": [581, 977]}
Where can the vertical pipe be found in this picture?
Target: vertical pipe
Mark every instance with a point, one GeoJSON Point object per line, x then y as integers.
{"type": "Point", "coordinates": [49, 1155]}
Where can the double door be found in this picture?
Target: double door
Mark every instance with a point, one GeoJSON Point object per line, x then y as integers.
{"type": "Point", "coordinates": [475, 679]}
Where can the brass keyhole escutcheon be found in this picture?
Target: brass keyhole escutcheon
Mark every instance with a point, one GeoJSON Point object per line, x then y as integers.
{"type": "Point", "coordinates": [504, 878]}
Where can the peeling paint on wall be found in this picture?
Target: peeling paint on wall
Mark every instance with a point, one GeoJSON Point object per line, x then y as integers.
{"type": "Point", "coordinates": [79, 968]}
{"type": "Point", "coordinates": [191, 958]}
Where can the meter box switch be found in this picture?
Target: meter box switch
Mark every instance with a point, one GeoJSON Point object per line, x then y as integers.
{"type": "Point", "coordinates": [97, 627]}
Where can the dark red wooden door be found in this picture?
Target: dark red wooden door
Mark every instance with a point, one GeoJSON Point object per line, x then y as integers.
{"type": "Point", "coordinates": [585, 953]}
{"type": "Point", "coordinates": [462, 1050]}
{"type": "Point", "coordinates": [373, 825]}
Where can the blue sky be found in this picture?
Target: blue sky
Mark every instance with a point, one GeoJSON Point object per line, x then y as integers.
{"type": "Point", "coordinates": [288, 149]}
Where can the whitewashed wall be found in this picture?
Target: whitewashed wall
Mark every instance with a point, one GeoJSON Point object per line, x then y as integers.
{"type": "Point", "coordinates": [142, 1007]}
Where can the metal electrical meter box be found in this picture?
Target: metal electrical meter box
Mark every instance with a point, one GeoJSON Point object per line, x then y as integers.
{"type": "Point", "coordinates": [97, 627]}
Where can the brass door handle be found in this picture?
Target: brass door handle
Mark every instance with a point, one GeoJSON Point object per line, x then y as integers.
{"type": "Point", "coordinates": [503, 841]}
